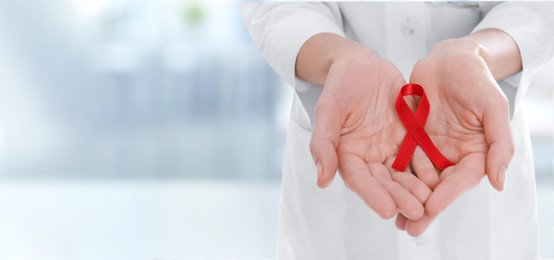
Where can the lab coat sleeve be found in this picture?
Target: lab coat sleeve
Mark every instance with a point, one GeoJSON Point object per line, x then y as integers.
{"type": "Point", "coordinates": [531, 25]}
{"type": "Point", "coordinates": [280, 30]}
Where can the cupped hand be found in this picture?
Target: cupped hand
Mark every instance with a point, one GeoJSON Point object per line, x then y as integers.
{"type": "Point", "coordinates": [468, 122]}
{"type": "Point", "coordinates": [357, 132]}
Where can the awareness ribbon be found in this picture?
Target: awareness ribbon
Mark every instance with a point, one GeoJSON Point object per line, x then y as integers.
{"type": "Point", "coordinates": [416, 134]}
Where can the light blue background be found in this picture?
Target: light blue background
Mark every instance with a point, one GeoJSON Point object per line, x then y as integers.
{"type": "Point", "coordinates": [155, 130]}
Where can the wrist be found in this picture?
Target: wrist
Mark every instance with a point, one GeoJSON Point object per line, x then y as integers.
{"type": "Point", "coordinates": [499, 51]}
{"type": "Point", "coordinates": [358, 57]}
{"type": "Point", "coordinates": [471, 45]}
{"type": "Point", "coordinates": [324, 51]}
{"type": "Point", "coordinates": [501, 57]}
{"type": "Point", "coordinates": [453, 49]}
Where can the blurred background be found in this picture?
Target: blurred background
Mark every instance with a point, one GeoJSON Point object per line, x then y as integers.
{"type": "Point", "coordinates": [155, 130]}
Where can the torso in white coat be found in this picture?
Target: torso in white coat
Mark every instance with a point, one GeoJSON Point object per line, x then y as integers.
{"type": "Point", "coordinates": [334, 224]}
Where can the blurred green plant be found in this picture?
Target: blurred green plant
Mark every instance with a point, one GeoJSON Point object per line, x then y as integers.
{"type": "Point", "coordinates": [194, 14]}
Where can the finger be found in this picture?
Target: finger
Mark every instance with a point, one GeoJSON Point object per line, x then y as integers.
{"type": "Point", "coordinates": [424, 169]}
{"type": "Point", "coordinates": [325, 139]}
{"type": "Point", "coordinates": [414, 185]}
{"type": "Point", "coordinates": [409, 181]}
{"type": "Point", "coordinates": [456, 181]}
{"type": "Point", "coordinates": [407, 203]}
{"type": "Point", "coordinates": [356, 175]}
{"type": "Point", "coordinates": [496, 122]}
{"type": "Point", "coordinates": [401, 221]}
{"type": "Point", "coordinates": [416, 228]}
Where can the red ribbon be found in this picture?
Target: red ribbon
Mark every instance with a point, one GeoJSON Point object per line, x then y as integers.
{"type": "Point", "coordinates": [416, 134]}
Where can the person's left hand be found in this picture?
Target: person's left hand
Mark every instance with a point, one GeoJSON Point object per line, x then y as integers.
{"type": "Point", "coordinates": [468, 122]}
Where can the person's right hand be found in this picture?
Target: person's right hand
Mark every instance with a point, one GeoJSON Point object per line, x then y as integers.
{"type": "Point", "coordinates": [357, 132]}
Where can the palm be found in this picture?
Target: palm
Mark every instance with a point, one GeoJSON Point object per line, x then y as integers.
{"type": "Point", "coordinates": [355, 117]}
{"type": "Point", "coordinates": [456, 120]}
{"type": "Point", "coordinates": [370, 131]}
{"type": "Point", "coordinates": [466, 106]}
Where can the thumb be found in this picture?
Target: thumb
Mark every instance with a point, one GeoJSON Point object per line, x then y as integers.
{"type": "Point", "coordinates": [325, 138]}
{"type": "Point", "coordinates": [496, 123]}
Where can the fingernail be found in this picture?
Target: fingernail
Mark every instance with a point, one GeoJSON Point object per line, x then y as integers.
{"type": "Point", "coordinates": [501, 178]}
{"type": "Point", "coordinates": [319, 169]}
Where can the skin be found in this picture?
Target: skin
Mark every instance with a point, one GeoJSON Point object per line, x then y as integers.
{"type": "Point", "coordinates": [470, 122]}
{"type": "Point", "coordinates": [357, 131]}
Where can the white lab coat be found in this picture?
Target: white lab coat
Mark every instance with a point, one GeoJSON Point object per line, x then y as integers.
{"type": "Point", "coordinates": [333, 223]}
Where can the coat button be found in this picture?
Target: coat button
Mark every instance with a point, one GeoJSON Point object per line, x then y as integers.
{"type": "Point", "coordinates": [418, 241]}
{"type": "Point", "coordinates": [407, 27]}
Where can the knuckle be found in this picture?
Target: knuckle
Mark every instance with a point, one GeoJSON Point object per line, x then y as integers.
{"type": "Point", "coordinates": [511, 148]}
{"type": "Point", "coordinates": [313, 146]}
{"type": "Point", "coordinates": [326, 100]}
{"type": "Point", "coordinates": [318, 146]}
{"type": "Point", "coordinates": [315, 149]}
{"type": "Point", "coordinates": [397, 190]}
{"type": "Point", "coordinates": [502, 101]}
{"type": "Point", "coordinates": [388, 213]}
